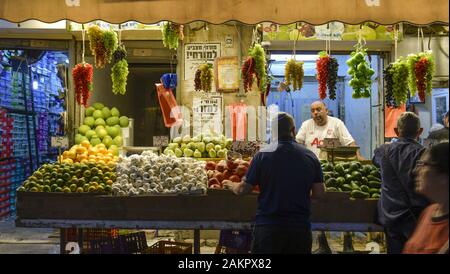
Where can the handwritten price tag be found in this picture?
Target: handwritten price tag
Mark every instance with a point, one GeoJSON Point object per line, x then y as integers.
{"type": "Point", "coordinates": [60, 141]}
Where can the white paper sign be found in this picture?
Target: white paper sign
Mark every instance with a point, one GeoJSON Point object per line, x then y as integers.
{"type": "Point", "coordinates": [58, 141]}
{"type": "Point", "coordinates": [197, 54]}
{"type": "Point", "coordinates": [207, 113]}
{"type": "Point", "coordinates": [160, 141]}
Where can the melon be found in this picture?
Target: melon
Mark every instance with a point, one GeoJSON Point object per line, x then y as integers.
{"type": "Point", "coordinates": [101, 132]}
{"type": "Point", "coordinates": [113, 131]}
{"type": "Point", "coordinates": [97, 114]}
{"type": "Point", "coordinates": [78, 139]}
{"type": "Point", "coordinates": [90, 133]}
{"type": "Point", "coordinates": [98, 106]}
{"type": "Point", "coordinates": [112, 121]}
{"type": "Point", "coordinates": [90, 121]}
{"type": "Point", "coordinates": [107, 141]}
{"type": "Point", "coordinates": [83, 129]}
{"type": "Point", "coordinates": [95, 141]}
{"type": "Point", "coordinates": [123, 121]}
{"type": "Point", "coordinates": [106, 113]}
{"type": "Point", "coordinates": [118, 141]}
{"type": "Point", "coordinates": [115, 112]}
{"type": "Point", "coordinates": [90, 111]}
{"type": "Point", "coordinates": [100, 122]}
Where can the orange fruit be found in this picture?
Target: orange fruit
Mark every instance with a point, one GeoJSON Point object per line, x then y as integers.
{"type": "Point", "coordinates": [85, 144]}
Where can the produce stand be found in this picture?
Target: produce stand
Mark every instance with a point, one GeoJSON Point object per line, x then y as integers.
{"type": "Point", "coordinates": [196, 212]}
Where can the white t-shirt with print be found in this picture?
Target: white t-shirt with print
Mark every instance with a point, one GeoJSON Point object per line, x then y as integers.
{"type": "Point", "coordinates": [312, 135]}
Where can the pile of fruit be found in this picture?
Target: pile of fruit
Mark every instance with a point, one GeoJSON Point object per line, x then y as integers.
{"type": "Point", "coordinates": [71, 178]}
{"type": "Point", "coordinates": [225, 171]}
{"type": "Point", "coordinates": [102, 125]}
{"type": "Point", "coordinates": [199, 147]}
{"type": "Point", "coordinates": [362, 181]}
{"type": "Point", "coordinates": [149, 173]}
{"type": "Point", "coordinates": [84, 153]}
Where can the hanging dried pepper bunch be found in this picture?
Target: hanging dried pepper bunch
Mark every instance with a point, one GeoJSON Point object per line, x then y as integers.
{"type": "Point", "coordinates": [172, 33]}
{"type": "Point", "coordinates": [82, 78]}
{"type": "Point", "coordinates": [322, 73]}
{"type": "Point", "coordinates": [95, 35]}
{"type": "Point", "coordinates": [421, 70]}
{"type": "Point", "coordinates": [119, 72]}
{"type": "Point", "coordinates": [333, 67]}
{"type": "Point", "coordinates": [293, 73]}
{"type": "Point", "coordinates": [248, 73]}
{"type": "Point", "coordinates": [203, 78]}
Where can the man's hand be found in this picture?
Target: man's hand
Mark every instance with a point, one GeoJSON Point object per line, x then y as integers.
{"type": "Point", "coordinates": [239, 188]}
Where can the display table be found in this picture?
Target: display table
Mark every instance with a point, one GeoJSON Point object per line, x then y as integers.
{"type": "Point", "coordinates": [219, 209]}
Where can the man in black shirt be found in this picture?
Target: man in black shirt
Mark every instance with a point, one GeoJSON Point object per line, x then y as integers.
{"type": "Point", "coordinates": [400, 206]}
{"type": "Point", "coordinates": [288, 175]}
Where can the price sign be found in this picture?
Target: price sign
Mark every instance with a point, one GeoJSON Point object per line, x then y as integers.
{"type": "Point", "coordinates": [160, 141]}
{"type": "Point", "coordinates": [331, 142]}
{"type": "Point", "coordinates": [60, 141]}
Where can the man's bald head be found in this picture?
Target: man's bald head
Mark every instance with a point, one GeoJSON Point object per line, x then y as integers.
{"type": "Point", "coordinates": [319, 113]}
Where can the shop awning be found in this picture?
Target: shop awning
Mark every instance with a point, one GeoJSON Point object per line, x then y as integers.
{"type": "Point", "coordinates": [219, 11]}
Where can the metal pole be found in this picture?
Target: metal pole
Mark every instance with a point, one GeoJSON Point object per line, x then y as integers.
{"type": "Point", "coordinates": [196, 241]}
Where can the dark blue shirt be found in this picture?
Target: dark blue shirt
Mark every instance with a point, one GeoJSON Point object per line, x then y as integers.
{"type": "Point", "coordinates": [398, 201]}
{"type": "Point", "coordinates": [285, 173]}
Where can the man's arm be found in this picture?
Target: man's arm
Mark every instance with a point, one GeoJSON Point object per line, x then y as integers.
{"type": "Point", "coordinates": [301, 135]}
{"type": "Point", "coordinates": [317, 191]}
{"type": "Point", "coordinates": [358, 152]}
{"type": "Point", "coordinates": [241, 188]}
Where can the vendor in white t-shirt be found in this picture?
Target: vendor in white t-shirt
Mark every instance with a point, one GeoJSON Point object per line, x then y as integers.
{"type": "Point", "coordinates": [321, 126]}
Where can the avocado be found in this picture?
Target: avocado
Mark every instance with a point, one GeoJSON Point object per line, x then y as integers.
{"type": "Point", "coordinates": [346, 187]}
{"type": "Point", "coordinates": [354, 185]}
{"type": "Point", "coordinates": [356, 175]}
{"type": "Point", "coordinates": [340, 170]}
{"type": "Point", "coordinates": [331, 182]}
{"type": "Point", "coordinates": [374, 184]}
{"type": "Point", "coordinates": [331, 189]}
{"type": "Point", "coordinates": [364, 188]}
{"type": "Point", "coordinates": [376, 196]}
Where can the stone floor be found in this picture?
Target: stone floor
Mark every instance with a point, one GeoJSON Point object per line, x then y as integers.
{"type": "Point", "coordinates": [15, 240]}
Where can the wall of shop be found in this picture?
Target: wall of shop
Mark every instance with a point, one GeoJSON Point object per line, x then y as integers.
{"type": "Point", "coordinates": [216, 33]}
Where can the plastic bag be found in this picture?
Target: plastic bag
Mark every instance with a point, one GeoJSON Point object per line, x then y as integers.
{"type": "Point", "coordinates": [169, 80]}
{"type": "Point", "coordinates": [170, 110]}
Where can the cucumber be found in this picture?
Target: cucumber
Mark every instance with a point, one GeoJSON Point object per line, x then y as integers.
{"type": "Point", "coordinates": [332, 189]}
{"type": "Point", "coordinates": [374, 184]}
{"type": "Point", "coordinates": [364, 188]}
{"type": "Point", "coordinates": [359, 194]}
{"type": "Point", "coordinates": [373, 178]}
{"type": "Point", "coordinates": [347, 187]}
{"type": "Point", "coordinates": [376, 196]}
{"type": "Point", "coordinates": [374, 190]}
{"type": "Point", "coordinates": [354, 185]}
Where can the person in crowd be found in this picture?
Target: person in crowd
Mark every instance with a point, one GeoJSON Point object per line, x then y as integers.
{"type": "Point", "coordinates": [288, 176]}
{"type": "Point", "coordinates": [431, 234]}
{"type": "Point", "coordinates": [440, 135]}
{"type": "Point", "coordinates": [399, 205]}
{"type": "Point", "coordinates": [312, 134]}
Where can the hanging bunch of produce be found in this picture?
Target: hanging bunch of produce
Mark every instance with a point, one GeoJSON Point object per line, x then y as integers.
{"type": "Point", "coordinates": [255, 67]}
{"type": "Point", "coordinates": [388, 92]}
{"type": "Point", "coordinates": [327, 73]}
{"type": "Point", "coordinates": [361, 73]}
{"type": "Point", "coordinates": [172, 34]}
{"type": "Point", "coordinates": [119, 72]}
{"type": "Point", "coordinates": [421, 68]}
{"type": "Point", "coordinates": [248, 73]}
{"type": "Point", "coordinates": [259, 56]}
{"type": "Point", "coordinates": [103, 44]}
{"type": "Point", "coordinates": [203, 78]}
{"type": "Point", "coordinates": [322, 73]}
{"type": "Point", "coordinates": [333, 67]}
{"type": "Point", "coordinates": [399, 72]}
{"type": "Point", "coordinates": [82, 78]}
{"type": "Point", "coordinates": [294, 73]}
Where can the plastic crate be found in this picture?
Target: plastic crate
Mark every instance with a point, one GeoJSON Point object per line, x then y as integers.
{"type": "Point", "coordinates": [234, 242]}
{"type": "Point", "coordinates": [169, 247]}
{"type": "Point", "coordinates": [134, 243]}
{"type": "Point", "coordinates": [88, 235]}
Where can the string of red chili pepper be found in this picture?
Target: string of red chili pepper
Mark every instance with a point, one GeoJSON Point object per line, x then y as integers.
{"type": "Point", "coordinates": [248, 72]}
{"type": "Point", "coordinates": [82, 78]}
{"type": "Point", "coordinates": [322, 75]}
{"type": "Point", "coordinates": [420, 70]}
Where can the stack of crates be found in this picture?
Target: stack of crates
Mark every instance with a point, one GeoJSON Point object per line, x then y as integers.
{"type": "Point", "coordinates": [31, 115]}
